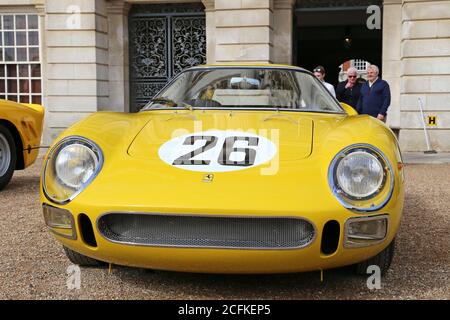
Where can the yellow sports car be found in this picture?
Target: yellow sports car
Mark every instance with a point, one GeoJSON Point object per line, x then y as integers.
{"type": "Point", "coordinates": [20, 137]}
{"type": "Point", "coordinates": [229, 169]}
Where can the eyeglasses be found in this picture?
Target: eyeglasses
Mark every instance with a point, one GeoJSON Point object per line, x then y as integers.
{"type": "Point", "coordinates": [352, 76]}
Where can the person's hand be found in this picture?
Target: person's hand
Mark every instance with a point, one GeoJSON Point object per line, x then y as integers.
{"type": "Point", "coordinates": [348, 85]}
{"type": "Point", "coordinates": [380, 117]}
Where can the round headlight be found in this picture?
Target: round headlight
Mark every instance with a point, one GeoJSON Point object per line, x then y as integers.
{"type": "Point", "coordinates": [360, 175]}
{"type": "Point", "coordinates": [75, 164]}
{"type": "Point", "coordinates": [361, 178]}
{"type": "Point", "coordinates": [71, 165]}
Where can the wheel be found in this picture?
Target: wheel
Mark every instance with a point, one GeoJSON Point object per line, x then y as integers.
{"type": "Point", "coordinates": [8, 156]}
{"type": "Point", "coordinates": [382, 260]}
{"type": "Point", "coordinates": [82, 260]}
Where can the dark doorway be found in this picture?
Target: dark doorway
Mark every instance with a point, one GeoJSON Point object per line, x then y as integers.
{"type": "Point", "coordinates": [164, 39]}
{"type": "Point", "coordinates": [329, 33]}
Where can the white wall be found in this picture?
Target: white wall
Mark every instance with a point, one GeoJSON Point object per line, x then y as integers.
{"type": "Point", "coordinates": [425, 73]}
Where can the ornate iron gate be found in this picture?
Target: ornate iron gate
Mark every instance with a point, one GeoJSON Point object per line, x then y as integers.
{"type": "Point", "coordinates": [163, 40]}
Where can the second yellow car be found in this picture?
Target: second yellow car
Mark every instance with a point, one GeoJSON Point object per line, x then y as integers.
{"type": "Point", "coordinates": [20, 137]}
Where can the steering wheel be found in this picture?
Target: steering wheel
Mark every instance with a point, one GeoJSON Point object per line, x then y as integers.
{"type": "Point", "coordinates": [201, 103]}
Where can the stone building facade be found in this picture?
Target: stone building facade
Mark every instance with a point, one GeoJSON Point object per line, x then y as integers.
{"type": "Point", "coordinates": [76, 56]}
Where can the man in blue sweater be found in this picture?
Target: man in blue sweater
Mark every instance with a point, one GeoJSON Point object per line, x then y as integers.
{"type": "Point", "coordinates": [375, 95]}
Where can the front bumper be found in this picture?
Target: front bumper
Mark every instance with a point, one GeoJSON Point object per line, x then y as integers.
{"type": "Point", "coordinates": [226, 260]}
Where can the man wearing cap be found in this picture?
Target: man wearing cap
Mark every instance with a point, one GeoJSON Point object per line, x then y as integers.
{"type": "Point", "coordinates": [348, 91]}
{"type": "Point", "coordinates": [319, 72]}
{"type": "Point", "coordinates": [375, 95]}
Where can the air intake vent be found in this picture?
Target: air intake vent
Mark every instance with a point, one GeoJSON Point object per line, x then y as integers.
{"type": "Point", "coordinates": [86, 230]}
{"type": "Point", "coordinates": [330, 237]}
{"type": "Point", "coordinates": [206, 231]}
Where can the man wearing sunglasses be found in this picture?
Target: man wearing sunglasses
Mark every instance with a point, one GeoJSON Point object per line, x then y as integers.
{"type": "Point", "coordinates": [348, 91]}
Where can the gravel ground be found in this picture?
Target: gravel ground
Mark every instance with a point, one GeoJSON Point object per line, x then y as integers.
{"type": "Point", "coordinates": [33, 264]}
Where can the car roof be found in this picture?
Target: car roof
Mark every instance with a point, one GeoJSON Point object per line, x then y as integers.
{"type": "Point", "coordinates": [250, 65]}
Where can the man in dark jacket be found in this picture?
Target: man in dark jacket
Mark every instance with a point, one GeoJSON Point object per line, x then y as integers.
{"type": "Point", "coordinates": [375, 95]}
{"type": "Point", "coordinates": [348, 91]}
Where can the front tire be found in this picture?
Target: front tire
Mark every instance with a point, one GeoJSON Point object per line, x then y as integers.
{"type": "Point", "coordinates": [82, 260]}
{"type": "Point", "coordinates": [382, 260]}
{"type": "Point", "coordinates": [8, 156]}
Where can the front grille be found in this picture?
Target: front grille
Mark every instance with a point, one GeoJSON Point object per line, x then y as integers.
{"type": "Point", "coordinates": [206, 231]}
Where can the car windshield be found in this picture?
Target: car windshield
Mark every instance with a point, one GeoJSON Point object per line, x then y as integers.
{"type": "Point", "coordinates": [246, 88]}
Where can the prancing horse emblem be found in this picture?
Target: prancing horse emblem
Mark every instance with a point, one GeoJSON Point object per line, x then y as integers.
{"type": "Point", "coordinates": [208, 177]}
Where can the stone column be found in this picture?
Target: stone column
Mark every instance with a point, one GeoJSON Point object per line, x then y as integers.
{"type": "Point", "coordinates": [76, 45]}
{"type": "Point", "coordinates": [391, 65]}
{"type": "Point", "coordinates": [40, 9]}
{"type": "Point", "coordinates": [283, 31]}
{"type": "Point", "coordinates": [210, 31]}
{"type": "Point", "coordinates": [119, 90]}
{"type": "Point", "coordinates": [244, 30]}
{"type": "Point", "coordinates": [425, 73]}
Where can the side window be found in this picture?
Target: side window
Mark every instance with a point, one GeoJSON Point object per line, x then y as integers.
{"type": "Point", "coordinates": [313, 95]}
{"type": "Point", "coordinates": [20, 61]}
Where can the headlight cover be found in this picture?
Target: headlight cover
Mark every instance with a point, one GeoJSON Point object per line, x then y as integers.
{"type": "Point", "coordinates": [59, 221]}
{"type": "Point", "coordinates": [360, 174]}
{"type": "Point", "coordinates": [365, 231]}
{"type": "Point", "coordinates": [361, 178]}
{"type": "Point", "coordinates": [70, 166]}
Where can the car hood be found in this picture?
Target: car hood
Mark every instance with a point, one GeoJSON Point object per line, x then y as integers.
{"type": "Point", "coordinates": [134, 177]}
{"type": "Point", "coordinates": [286, 136]}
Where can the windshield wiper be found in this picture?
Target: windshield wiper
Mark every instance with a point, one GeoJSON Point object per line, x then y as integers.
{"type": "Point", "coordinates": [172, 103]}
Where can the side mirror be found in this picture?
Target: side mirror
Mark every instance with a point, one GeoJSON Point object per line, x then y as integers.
{"type": "Point", "coordinates": [349, 109]}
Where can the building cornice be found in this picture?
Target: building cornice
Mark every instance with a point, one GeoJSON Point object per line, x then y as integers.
{"type": "Point", "coordinates": [209, 5]}
{"type": "Point", "coordinates": [39, 5]}
{"type": "Point", "coordinates": [283, 4]}
{"type": "Point", "coordinates": [118, 7]}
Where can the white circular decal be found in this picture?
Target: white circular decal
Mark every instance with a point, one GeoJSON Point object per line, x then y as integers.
{"type": "Point", "coordinates": [217, 151]}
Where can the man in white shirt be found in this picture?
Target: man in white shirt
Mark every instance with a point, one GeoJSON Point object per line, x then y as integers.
{"type": "Point", "coordinates": [319, 72]}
